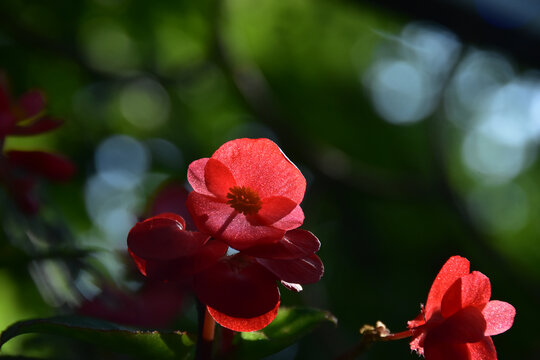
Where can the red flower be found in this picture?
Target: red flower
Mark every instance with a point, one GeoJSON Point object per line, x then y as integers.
{"type": "Point", "coordinates": [246, 194]}
{"type": "Point", "coordinates": [240, 290]}
{"type": "Point", "coordinates": [459, 319]}
{"type": "Point", "coordinates": [153, 306]}
{"type": "Point", "coordinates": [25, 116]}
{"type": "Point", "coordinates": [19, 168]}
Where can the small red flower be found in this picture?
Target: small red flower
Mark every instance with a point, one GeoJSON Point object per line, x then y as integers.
{"type": "Point", "coordinates": [459, 319]}
{"type": "Point", "coordinates": [239, 290]}
{"type": "Point", "coordinates": [247, 193]}
{"type": "Point", "coordinates": [18, 169]}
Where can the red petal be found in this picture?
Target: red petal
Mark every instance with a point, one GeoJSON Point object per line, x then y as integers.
{"type": "Point", "coordinates": [300, 271]}
{"type": "Point", "coordinates": [291, 221]}
{"type": "Point", "coordinates": [182, 269]}
{"type": "Point", "coordinates": [171, 198]}
{"type": "Point", "coordinates": [139, 262]}
{"type": "Point", "coordinates": [163, 238]}
{"type": "Point", "coordinates": [465, 326]}
{"type": "Point", "coordinates": [483, 350]}
{"type": "Point", "coordinates": [39, 126]}
{"type": "Point", "coordinates": [238, 287]}
{"type": "Point", "coordinates": [274, 209]}
{"type": "Point", "coordinates": [434, 350]}
{"type": "Point", "coordinates": [243, 324]}
{"type": "Point", "coordinates": [6, 124]}
{"type": "Point", "coordinates": [49, 165]}
{"type": "Point", "coordinates": [473, 289]}
{"type": "Point", "coordinates": [224, 223]}
{"type": "Point", "coordinates": [195, 176]}
{"type": "Point", "coordinates": [218, 179]}
{"type": "Point", "coordinates": [5, 100]}
{"type": "Point", "coordinates": [452, 270]}
{"type": "Point", "coordinates": [294, 244]}
{"type": "Point", "coordinates": [261, 165]}
{"type": "Point", "coordinates": [499, 317]}
{"type": "Point", "coordinates": [31, 103]}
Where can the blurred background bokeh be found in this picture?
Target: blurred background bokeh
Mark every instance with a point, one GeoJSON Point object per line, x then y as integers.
{"type": "Point", "coordinates": [416, 125]}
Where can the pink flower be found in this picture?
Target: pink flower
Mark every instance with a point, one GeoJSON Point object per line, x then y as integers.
{"type": "Point", "coordinates": [248, 193]}
{"type": "Point", "coordinates": [459, 319]}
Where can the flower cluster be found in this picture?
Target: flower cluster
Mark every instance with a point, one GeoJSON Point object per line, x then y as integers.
{"type": "Point", "coordinates": [459, 319]}
{"type": "Point", "coordinates": [245, 206]}
{"type": "Point", "coordinates": [20, 169]}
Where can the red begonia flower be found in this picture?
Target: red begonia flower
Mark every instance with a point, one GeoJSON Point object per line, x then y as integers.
{"type": "Point", "coordinates": [25, 116]}
{"type": "Point", "coordinates": [240, 291]}
{"type": "Point", "coordinates": [459, 318]}
{"type": "Point", "coordinates": [163, 250]}
{"type": "Point", "coordinates": [248, 193]}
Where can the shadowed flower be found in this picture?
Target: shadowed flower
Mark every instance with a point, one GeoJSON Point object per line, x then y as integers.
{"type": "Point", "coordinates": [240, 290]}
{"type": "Point", "coordinates": [459, 319]}
{"type": "Point", "coordinates": [18, 169]}
{"type": "Point", "coordinates": [155, 305]}
{"type": "Point", "coordinates": [246, 194]}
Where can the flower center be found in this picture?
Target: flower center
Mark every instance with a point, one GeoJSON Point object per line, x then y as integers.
{"type": "Point", "coordinates": [244, 200]}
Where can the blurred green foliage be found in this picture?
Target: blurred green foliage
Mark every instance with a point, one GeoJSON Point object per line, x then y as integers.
{"type": "Point", "coordinates": [389, 202]}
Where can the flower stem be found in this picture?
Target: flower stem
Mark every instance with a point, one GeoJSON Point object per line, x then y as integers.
{"type": "Point", "coordinates": [207, 326]}
{"type": "Point", "coordinates": [371, 334]}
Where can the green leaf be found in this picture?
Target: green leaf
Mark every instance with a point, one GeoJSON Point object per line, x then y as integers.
{"type": "Point", "coordinates": [139, 343]}
{"type": "Point", "coordinates": [287, 328]}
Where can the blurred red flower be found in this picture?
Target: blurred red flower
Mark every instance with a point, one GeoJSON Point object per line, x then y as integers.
{"type": "Point", "coordinates": [247, 193]}
{"type": "Point", "coordinates": [459, 319]}
{"type": "Point", "coordinates": [153, 306]}
{"type": "Point", "coordinates": [18, 169]}
{"type": "Point", "coordinates": [239, 290]}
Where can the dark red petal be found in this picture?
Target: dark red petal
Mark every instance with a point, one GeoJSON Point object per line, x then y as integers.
{"type": "Point", "coordinates": [273, 209]}
{"type": "Point", "coordinates": [434, 350]}
{"type": "Point", "coordinates": [238, 287]}
{"type": "Point", "coordinates": [300, 271]}
{"type": "Point", "coordinates": [465, 326]}
{"type": "Point", "coordinates": [31, 104]}
{"type": "Point", "coordinates": [171, 198]}
{"type": "Point", "coordinates": [162, 238]}
{"type": "Point", "coordinates": [243, 324]}
{"type": "Point", "coordinates": [5, 100]}
{"type": "Point", "coordinates": [294, 244]}
{"type": "Point", "coordinates": [195, 176]}
{"type": "Point", "coordinates": [291, 221]}
{"type": "Point", "coordinates": [499, 316]}
{"type": "Point", "coordinates": [224, 223]}
{"type": "Point", "coordinates": [139, 262]}
{"type": "Point", "coordinates": [51, 166]}
{"type": "Point", "coordinates": [482, 350]}
{"type": "Point", "coordinates": [417, 342]}
{"type": "Point", "coordinates": [261, 165]}
{"type": "Point", "coordinates": [218, 178]}
{"type": "Point", "coordinates": [184, 268]}
{"type": "Point", "coordinates": [473, 289]}
{"type": "Point", "coordinates": [6, 124]}
{"type": "Point", "coordinates": [41, 125]}
{"type": "Point", "coordinates": [452, 270]}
